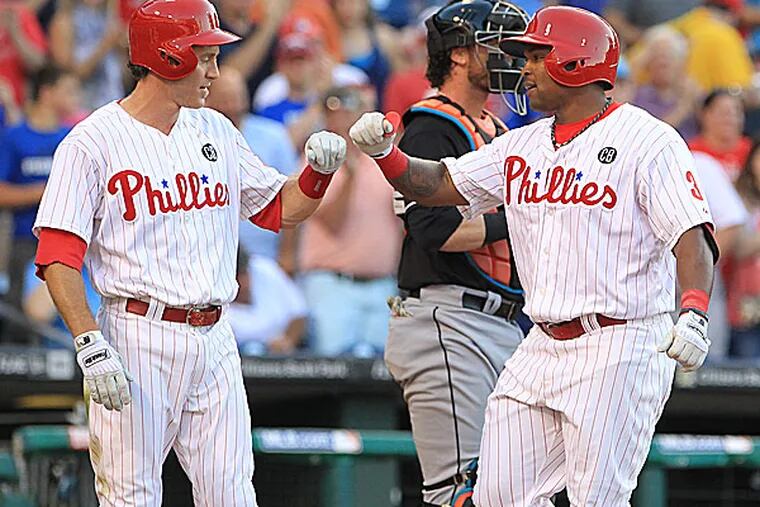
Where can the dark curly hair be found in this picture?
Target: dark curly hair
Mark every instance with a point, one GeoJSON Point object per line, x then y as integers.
{"type": "Point", "coordinates": [438, 67]}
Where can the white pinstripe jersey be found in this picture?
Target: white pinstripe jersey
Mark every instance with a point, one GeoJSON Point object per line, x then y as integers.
{"type": "Point", "coordinates": [159, 212]}
{"type": "Point", "coordinates": [593, 223]}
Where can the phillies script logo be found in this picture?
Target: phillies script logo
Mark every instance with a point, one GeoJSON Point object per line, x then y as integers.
{"type": "Point", "coordinates": [191, 193]}
{"type": "Point", "coordinates": [564, 186]}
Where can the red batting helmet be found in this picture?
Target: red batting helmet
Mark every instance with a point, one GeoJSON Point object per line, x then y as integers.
{"type": "Point", "coordinates": [584, 47]}
{"type": "Point", "coordinates": [162, 34]}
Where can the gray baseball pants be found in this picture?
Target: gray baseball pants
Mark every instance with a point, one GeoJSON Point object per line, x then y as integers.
{"type": "Point", "coordinates": [446, 359]}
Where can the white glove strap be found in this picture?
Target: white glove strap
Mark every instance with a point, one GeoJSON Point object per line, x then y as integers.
{"type": "Point", "coordinates": [383, 153]}
{"type": "Point", "coordinates": [86, 339]}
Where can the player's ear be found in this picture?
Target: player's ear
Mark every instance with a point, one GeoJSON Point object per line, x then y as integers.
{"type": "Point", "coordinates": [459, 56]}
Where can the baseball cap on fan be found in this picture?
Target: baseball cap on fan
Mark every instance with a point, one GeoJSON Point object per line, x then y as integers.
{"type": "Point", "coordinates": [299, 37]}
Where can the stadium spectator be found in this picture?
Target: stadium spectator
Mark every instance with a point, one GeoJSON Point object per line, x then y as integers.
{"type": "Point", "coordinates": [10, 113]}
{"type": "Point", "coordinates": [321, 13]}
{"type": "Point", "coordinates": [349, 248]}
{"type": "Point", "coordinates": [749, 20]}
{"type": "Point", "coordinates": [408, 84]}
{"type": "Point", "coordinates": [38, 305]}
{"type": "Point", "coordinates": [718, 57]}
{"type": "Point", "coordinates": [632, 17]}
{"type": "Point", "coordinates": [743, 270]}
{"type": "Point", "coordinates": [26, 156]}
{"type": "Point", "coordinates": [126, 8]}
{"type": "Point", "coordinates": [253, 56]}
{"type": "Point", "coordinates": [87, 39]}
{"type": "Point", "coordinates": [667, 92]}
{"type": "Point", "coordinates": [269, 314]}
{"type": "Point", "coordinates": [721, 122]}
{"type": "Point", "coordinates": [396, 13]}
{"type": "Point", "coordinates": [267, 138]}
{"type": "Point", "coordinates": [729, 216]}
{"type": "Point", "coordinates": [22, 46]}
{"type": "Point", "coordinates": [596, 6]}
{"type": "Point", "coordinates": [367, 44]}
{"type": "Point", "coordinates": [625, 86]}
{"type": "Point", "coordinates": [306, 72]}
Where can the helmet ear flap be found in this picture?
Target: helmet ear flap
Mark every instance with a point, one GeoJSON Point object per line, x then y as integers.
{"type": "Point", "coordinates": [571, 66]}
{"type": "Point", "coordinates": [435, 43]}
{"type": "Point", "coordinates": [169, 58]}
{"type": "Point", "coordinates": [178, 63]}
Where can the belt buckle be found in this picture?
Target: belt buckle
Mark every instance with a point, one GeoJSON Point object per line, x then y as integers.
{"type": "Point", "coordinates": [196, 317]}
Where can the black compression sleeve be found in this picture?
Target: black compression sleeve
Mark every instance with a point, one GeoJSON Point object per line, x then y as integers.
{"type": "Point", "coordinates": [496, 227]}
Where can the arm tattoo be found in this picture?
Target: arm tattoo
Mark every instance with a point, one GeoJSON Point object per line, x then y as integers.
{"type": "Point", "coordinates": [421, 180]}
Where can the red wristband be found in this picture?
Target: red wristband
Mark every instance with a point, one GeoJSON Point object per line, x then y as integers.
{"type": "Point", "coordinates": [695, 298]}
{"type": "Point", "coordinates": [312, 183]}
{"type": "Point", "coordinates": [394, 164]}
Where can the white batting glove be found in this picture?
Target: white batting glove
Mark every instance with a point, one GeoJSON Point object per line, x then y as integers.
{"type": "Point", "coordinates": [104, 372]}
{"type": "Point", "coordinates": [325, 152]}
{"type": "Point", "coordinates": [373, 133]}
{"type": "Point", "coordinates": [687, 342]}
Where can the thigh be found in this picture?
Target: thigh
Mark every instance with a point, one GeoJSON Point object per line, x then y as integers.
{"type": "Point", "coordinates": [332, 311]}
{"type": "Point", "coordinates": [128, 448]}
{"type": "Point", "coordinates": [214, 443]}
{"type": "Point", "coordinates": [446, 377]}
{"type": "Point", "coordinates": [522, 461]}
{"type": "Point", "coordinates": [612, 402]}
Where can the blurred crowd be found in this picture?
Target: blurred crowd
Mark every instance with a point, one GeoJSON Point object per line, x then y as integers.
{"type": "Point", "coordinates": [307, 65]}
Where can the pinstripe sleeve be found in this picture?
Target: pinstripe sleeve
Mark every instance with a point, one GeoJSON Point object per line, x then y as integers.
{"type": "Point", "coordinates": [478, 176]}
{"type": "Point", "coordinates": [73, 196]}
{"type": "Point", "coordinates": [671, 195]}
{"type": "Point", "coordinates": [259, 183]}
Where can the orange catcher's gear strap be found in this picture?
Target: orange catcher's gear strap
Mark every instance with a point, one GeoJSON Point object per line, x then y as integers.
{"type": "Point", "coordinates": [493, 260]}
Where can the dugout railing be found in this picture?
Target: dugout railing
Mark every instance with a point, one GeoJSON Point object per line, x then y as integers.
{"type": "Point", "coordinates": [316, 467]}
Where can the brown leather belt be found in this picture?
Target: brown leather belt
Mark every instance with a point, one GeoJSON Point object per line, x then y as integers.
{"type": "Point", "coordinates": [196, 316]}
{"type": "Point", "coordinates": [572, 329]}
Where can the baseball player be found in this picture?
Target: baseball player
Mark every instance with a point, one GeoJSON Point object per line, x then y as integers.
{"type": "Point", "coordinates": [605, 214]}
{"type": "Point", "coordinates": [450, 336]}
{"type": "Point", "coordinates": [151, 188]}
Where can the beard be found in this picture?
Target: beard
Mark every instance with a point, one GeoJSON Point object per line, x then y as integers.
{"type": "Point", "coordinates": [477, 75]}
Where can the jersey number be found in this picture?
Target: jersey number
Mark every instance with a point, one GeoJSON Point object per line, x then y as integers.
{"type": "Point", "coordinates": [694, 187]}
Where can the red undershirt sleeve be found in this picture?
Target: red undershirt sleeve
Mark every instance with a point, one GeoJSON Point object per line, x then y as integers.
{"type": "Point", "coordinates": [56, 245]}
{"type": "Point", "coordinates": [270, 217]}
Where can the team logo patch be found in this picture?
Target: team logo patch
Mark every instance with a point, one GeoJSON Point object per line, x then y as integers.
{"type": "Point", "coordinates": [607, 155]}
{"type": "Point", "coordinates": [209, 152]}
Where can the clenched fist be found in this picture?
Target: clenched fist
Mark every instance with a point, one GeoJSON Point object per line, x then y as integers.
{"type": "Point", "coordinates": [374, 133]}
{"type": "Point", "coordinates": [687, 342]}
{"type": "Point", "coordinates": [107, 378]}
{"type": "Point", "coordinates": [325, 152]}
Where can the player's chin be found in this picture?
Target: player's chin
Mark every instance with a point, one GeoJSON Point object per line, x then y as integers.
{"type": "Point", "coordinates": [196, 103]}
{"type": "Point", "coordinates": [536, 101]}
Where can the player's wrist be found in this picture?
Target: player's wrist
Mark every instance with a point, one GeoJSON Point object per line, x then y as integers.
{"type": "Point", "coordinates": [695, 300]}
{"type": "Point", "coordinates": [394, 163]}
{"type": "Point", "coordinates": [87, 339]}
{"type": "Point", "coordinates": [313, 184]}
{"type": "Point", "coordinates": [383, 153]}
